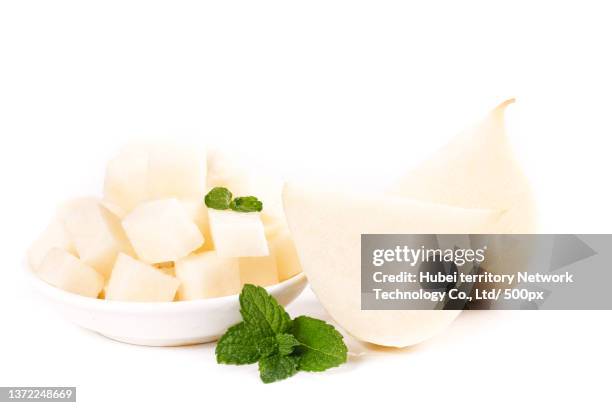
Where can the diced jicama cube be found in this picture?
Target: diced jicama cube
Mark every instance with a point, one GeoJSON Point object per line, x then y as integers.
{"type": "Point", "coordinates": [237, 234]}
{"type": "Point", "coordinates": [54, 236]}
{"type": "Point", "coordinates": [176, 172]}
{"type": "Point", "coordinates": [282, 247]}
{"type": "Point", "coordinates": [269, 190]}
{"type": "Point", "coordinates": [162, 231]}
{"type": "Point", "coordinates": [258, 270]}
{"type": "Point", "coordinates": [125, 183]}
{"type": "Point", "coordinates": [133, 280]}
{"type": "Point", "coordinates": [65, 271]}
{"type": "Point", "coordinates": [96, 232]}
{"type": "Point", "coordinates": [165, 267]}
{"type": "Point", "coordinates": [199, 215]}
{"type": "Point", "coordinates": [114, 208]}
{"type": "Point", "coordinates": [102, 294]}
{"type": "Point", "coordinates": [222, 172]}
{"type": "Point", "coordinates": [272, 221]}
{"type": "Point", "coordinates": [206, 275]}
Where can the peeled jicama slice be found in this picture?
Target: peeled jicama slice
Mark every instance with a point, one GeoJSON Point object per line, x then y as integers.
{"type": "Point", "coordinates": [327, 228]}
{"type": "Point", "coordinates": [478, 170]}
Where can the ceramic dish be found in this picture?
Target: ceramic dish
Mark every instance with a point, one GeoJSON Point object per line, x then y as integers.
{"type": "Point", "coordinates": [157, 323]}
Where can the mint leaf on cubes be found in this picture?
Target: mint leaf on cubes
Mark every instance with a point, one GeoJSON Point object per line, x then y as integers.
{"type": "Point", "coordinates": [218, 198]}
{"type": "Point", "coordinates": [321, 345]}
{"type": "Point", "coordinates": [246, 204]}
{"type": "Point", "coordinates": [277, 367]}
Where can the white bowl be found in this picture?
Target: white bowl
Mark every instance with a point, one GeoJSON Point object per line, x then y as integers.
{"type": "Point", "coordinates": [158, 323]}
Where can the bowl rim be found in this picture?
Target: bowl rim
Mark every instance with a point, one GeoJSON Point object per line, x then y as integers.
{"type": "Point", "coordinates": [174, 306]}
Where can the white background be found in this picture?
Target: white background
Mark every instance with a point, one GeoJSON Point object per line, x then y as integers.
{"type": "Point", "coordinates": [353, 90]}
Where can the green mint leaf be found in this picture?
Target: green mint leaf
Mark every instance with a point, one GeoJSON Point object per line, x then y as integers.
{"type": "Point", "coordinates": [262, 313]}
{"type": "Point", "coordinates": [281, 346]}
{"type": "Point", "coordinates": [246, 204]}
{"type": "Point", "coordinates": [277, 367]}
{"type": "Point", "coordinates": [286, 343]}
{"type": "Point", "coordinates": [218, 198]}
{"type": "Point", "coordinates": [267, 346]}
{"type": "Point", "coordinates": [321, 346]}
{"type": "Point", "coordinates": [239, 345]}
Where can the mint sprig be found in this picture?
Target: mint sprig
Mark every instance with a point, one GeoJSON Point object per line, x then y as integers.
{"type": "Point", "coordinates": [246, 204]}
{"type": "Point", "coordinates": [286, 343]}
{"type": "Point", "coordinates": [281, 346]}
{"type": "Point", "coordinates": [320, 344]}
{"type": "Point", "coordinates": [239, 346]}
{"type": "Point", "coordinates": [220, 198]}
{"type": "Point", "coordinates": [277, 367]}
{"type": "Point", "coordinates": [262, 313]}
